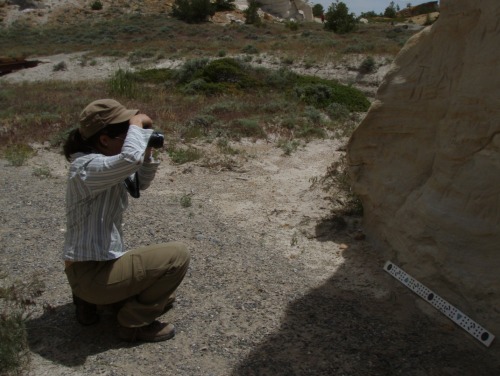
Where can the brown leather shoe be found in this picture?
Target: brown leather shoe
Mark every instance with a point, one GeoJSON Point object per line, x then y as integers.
{"type": "Point", "coordinates": [86, 313]}
{"type": "Point", "coordinates": [155, 332]}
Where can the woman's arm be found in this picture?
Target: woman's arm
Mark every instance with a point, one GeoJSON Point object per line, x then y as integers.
{"type": "Point", "coordinates": [147, 171]}
{"type": "Point", "coordinates": [98, 172]}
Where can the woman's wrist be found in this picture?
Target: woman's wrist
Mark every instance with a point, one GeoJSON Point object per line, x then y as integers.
{"type": "Point", "coordinates": [148, 155]}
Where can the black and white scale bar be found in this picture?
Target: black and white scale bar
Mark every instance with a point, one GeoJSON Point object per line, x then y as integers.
{"type": "Point", "coordinates": [442, 305]}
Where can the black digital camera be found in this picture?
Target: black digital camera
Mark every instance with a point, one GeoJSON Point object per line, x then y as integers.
{"type": "Point", "coordinates": [156, 140]}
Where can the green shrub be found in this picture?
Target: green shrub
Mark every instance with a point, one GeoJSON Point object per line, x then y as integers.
{"type": "Point", "coordinates": [96, 5]}
{"type": "Point", "coordinates": [199, 126]}
{"type": "Point", "coordinates": [320, 93]}
{"type": "Point", "coordinates": [246, 128]}
{"type": "Point", "coordinates": [225, 148]}
{"type": "Point", "coordinates": [186, 201]}
{"type": "Point", "coordinates": [288, 146]}
{"type": "Point", "coordinates": [184, 155]}
{"type": "Point", "coordinates": [190, 70]}
{"type": "Point", "coordinates": [290, 122]}
{"type": "Point", "coordinates": [318, 10]}
{"type": "Point", "coordinates": [17, 154]}
{"type": "Point", "coordinates": [42, 172]}
{"type": "Point", "coordinates": [337, 183]}
{"type": "Point", "coordinates": [250, 49]}
{"type": "Point", "coordinates": [227, 70]}
{"type": "Point", "coordinates": [13, 342]}
{"type": "Point", "coordinates": [280, 78]}
{"type": "Point", "coordinates": [16, 302]}
{"type": "Point", "coordinates": [287, 60]}
{"type": "Point", "coordinates": [368, 65]}
{"type": "Point", "coordinates": [337, 111]}
{"type": "Point", "coordinates": [338, 19]}
{"type": "Point", "coordinates": [224, 5]}
{"type": "Point", "coordinates": [61, 66]}
{"type": "Point", "coordinates": [313, 114]}
{"type": "Point", "coordinates": [390, 11]}
{"type": "Point", "coordinates": [251, 15]}
{"type": "Point", "coordinates": [292, 25]}
{"type": "Point", "coordinates": [193, 11]}
{"type": "Point", "coordinates": [309, 132]}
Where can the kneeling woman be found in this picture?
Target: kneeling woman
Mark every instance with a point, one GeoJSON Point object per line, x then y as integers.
{"type": "Point", "coordinates": [111, 145]}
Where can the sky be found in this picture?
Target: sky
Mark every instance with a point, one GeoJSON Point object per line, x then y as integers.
{"type": "Point", "coordinates": [359, 6]}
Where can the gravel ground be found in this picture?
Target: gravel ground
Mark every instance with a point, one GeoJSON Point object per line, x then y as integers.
{"type": "Point", "coordinates": [273, 288]}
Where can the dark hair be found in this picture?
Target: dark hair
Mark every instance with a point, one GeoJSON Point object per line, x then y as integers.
{"type": "Point", "coordinates": [76, 144]}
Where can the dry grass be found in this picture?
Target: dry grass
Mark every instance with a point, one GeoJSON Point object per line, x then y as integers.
{"type": "Point", "coordinates": [45, 111]}
{"type": "Point", "coordinates": [173, 38]}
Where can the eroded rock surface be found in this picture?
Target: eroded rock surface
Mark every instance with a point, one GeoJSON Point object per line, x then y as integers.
{"type": "Point", "coordinates": [426, 159]}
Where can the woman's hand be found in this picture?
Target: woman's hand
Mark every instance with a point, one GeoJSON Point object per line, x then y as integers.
{"type": "Point", "coordinates": [142, 121]}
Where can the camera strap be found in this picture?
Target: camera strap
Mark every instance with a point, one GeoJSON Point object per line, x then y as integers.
{"type": "Point", "coordinates": [132, 185]}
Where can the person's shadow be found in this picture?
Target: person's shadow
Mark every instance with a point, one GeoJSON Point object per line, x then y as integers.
{"type": "Point", "coordinates": [338, 329]}
{"type": "Point", "coordinates": [58, 337]}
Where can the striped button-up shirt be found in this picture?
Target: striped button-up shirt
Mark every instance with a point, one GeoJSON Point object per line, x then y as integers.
{"type": "Point", "coordinates": [96, 198]}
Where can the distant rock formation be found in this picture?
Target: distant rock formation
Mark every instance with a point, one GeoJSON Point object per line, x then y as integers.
{"type": "Point", "coordinates": [429, 7]}
{"type": "Point", "coordinates": [296, 9]}
{"type": "Point", "coordinates": [426, 159]}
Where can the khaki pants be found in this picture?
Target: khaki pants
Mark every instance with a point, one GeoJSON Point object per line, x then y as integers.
{"type": "Point", "coordinates": [144, 278]}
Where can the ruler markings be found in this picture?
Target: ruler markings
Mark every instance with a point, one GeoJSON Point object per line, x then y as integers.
{"type": "Point", "coordinates": [442, 305]}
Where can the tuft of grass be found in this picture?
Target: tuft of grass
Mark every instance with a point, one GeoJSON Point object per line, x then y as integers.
{"type": "Point", "coordinates": [368, 65]}
{"type": "Point", "coordinates": [17, 300]}
{"type": "Point", "coordinates": [337, 183]}
{"type": "Point", "coordinates": [184, 155]}
{"type": "Point", "coordinates": [42, 172]}
{"type": "Point", "coordinates": [288, 146]}
{"type": "Point", "coordinates": [186, 201]}
{"type": "Point", "coordinates": [241, 128]}
{"type": "Point", "coordinates": [225, 148]}
{"type": "Point", "coordinates": [96, 5]}
{"type": "Point", "coordinates": [320, 93]}
{"type": "Point", "coordinates": [18, 154]}
{"type": "Point", "coordinates": [123, 84]}
{"type": "Point", "coordinates": [61, 66]}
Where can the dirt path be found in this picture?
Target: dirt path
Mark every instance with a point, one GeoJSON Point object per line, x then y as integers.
{"type": "Point", "coordinates": [263, 296]}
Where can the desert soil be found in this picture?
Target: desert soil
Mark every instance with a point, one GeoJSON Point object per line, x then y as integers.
{"type": "Point", "coordinates": [274, 287]}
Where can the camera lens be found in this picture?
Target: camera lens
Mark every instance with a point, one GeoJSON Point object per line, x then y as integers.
{"type": "Point", "coordinates": [156, 140]}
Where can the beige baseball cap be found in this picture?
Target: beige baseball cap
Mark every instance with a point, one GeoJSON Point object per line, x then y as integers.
{"type": "Point", "coordinates": [101, 113]}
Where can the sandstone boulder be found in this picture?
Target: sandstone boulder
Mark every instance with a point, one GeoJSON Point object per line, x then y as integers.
{"type": "Point", "coordinates": [426, 159]}
{"type": "Point", "coordinates": [296, 9]}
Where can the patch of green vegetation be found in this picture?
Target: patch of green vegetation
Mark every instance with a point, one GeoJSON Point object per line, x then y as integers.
{"type": "Point", "coordinates": [124, 84]}
{"type": "Point", "coordinates": [184, 155]}
{"type": "Point", "coordinates": [288, 146]}
{"type": "Point", "coordinates": [241, 128]}
{"type": "Point", "coordinates": [225, 148]}
{"type": "Point", "coordinates": [186, 201]}
{"type": "Point", "coordinates": [42, 172]}
{"type": "Point", "coordinates": [18, 154]}
{"type": "Point", "coordinates": [17, 298]}
{"type": "Point", "coordinates": [320, 93]}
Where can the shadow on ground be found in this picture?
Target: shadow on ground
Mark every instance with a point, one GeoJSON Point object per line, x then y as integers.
{"type": "Point", "coordinates": [57, 336]}
{"type": "Point", "coordinates": [336, 330]}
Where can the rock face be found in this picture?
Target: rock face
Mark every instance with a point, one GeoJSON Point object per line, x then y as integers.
{"type": "Point", "coordinates": [426, 159]}
{"type": "Point", "coordinates": [297, 9]}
